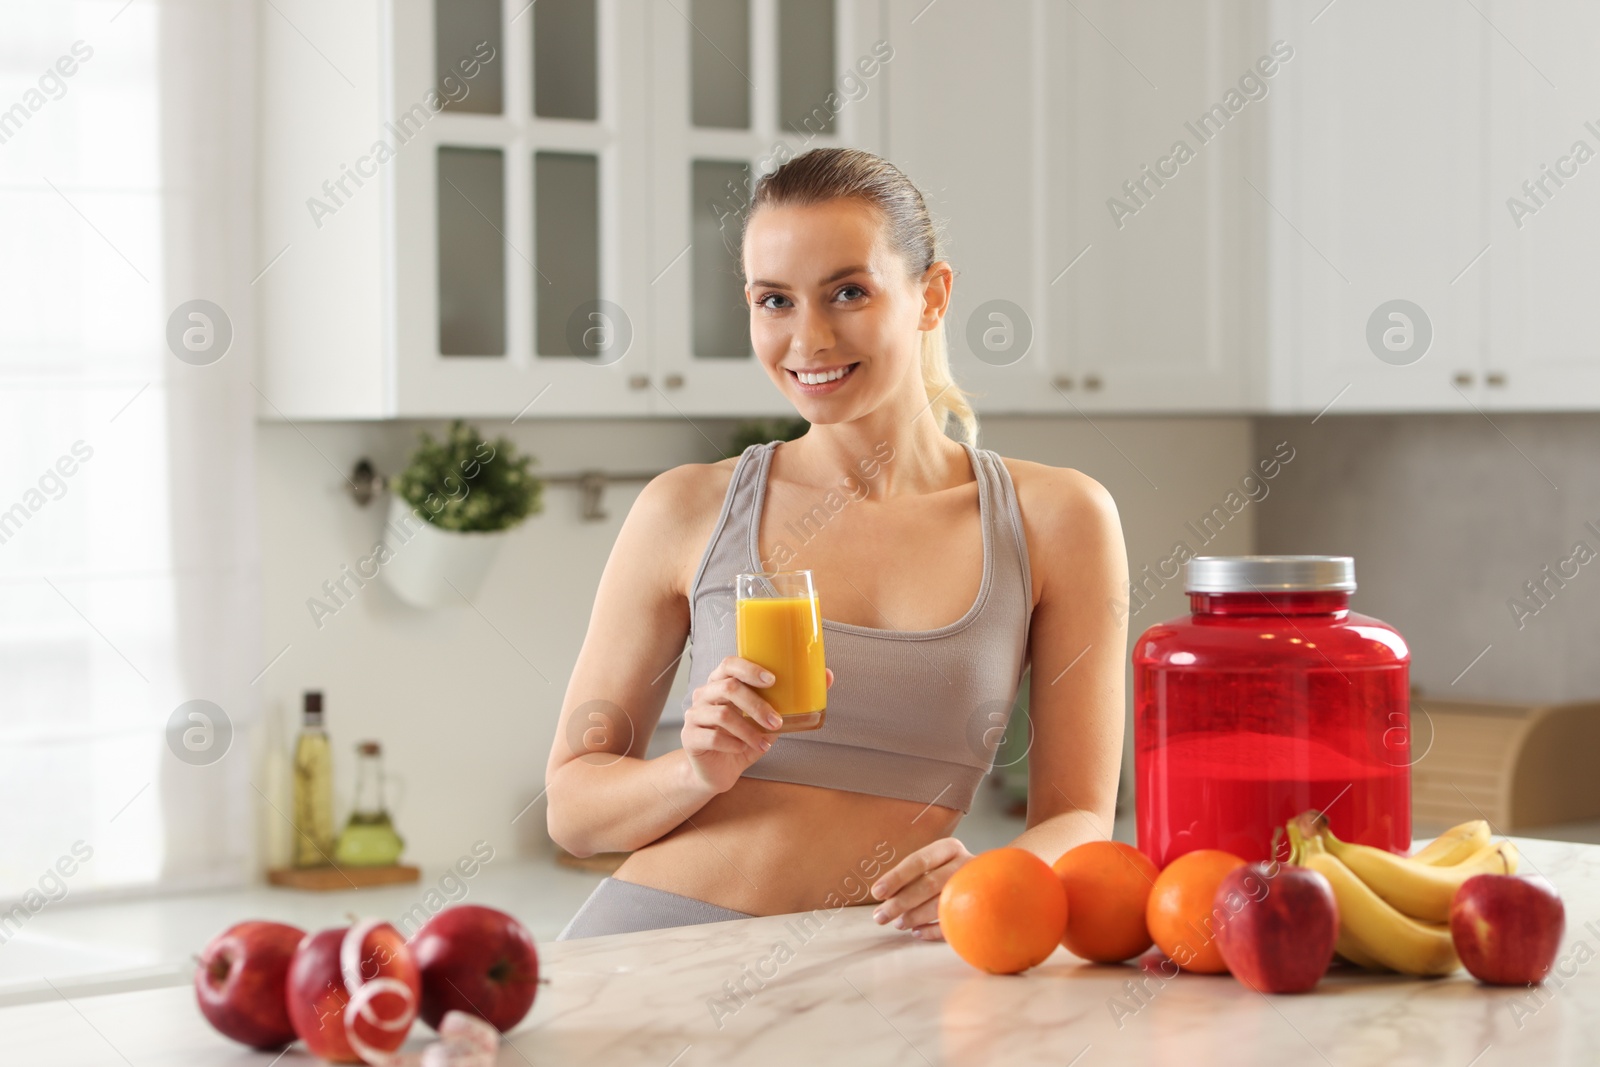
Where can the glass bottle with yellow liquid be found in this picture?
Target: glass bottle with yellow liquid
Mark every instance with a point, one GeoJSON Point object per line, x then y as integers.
{"type": "Point", "coordinates": [313, 789]}
{"type": "Point", "coordinates": [779, 626]}
{"type": "Point", "coordinates": [369, 838]}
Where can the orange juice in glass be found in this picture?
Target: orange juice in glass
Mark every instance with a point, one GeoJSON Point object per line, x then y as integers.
{"type": "Point", "coordinates": [780, 627]}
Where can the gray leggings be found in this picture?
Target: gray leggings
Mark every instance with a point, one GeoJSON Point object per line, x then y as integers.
{"type": "Point", "coordinates": [618, 907]}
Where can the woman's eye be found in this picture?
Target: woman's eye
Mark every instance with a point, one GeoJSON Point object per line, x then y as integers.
{"type": "Point", "coordinates": [851, 288]}
{"type": "Point", "coordinates": [770, 296]}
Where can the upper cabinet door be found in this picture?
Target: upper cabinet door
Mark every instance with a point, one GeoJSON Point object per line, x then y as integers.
{"type": "Point", "coordinates": [1375, 206]}
{"type": "Point", "coordinates": [1544, 205]}
{"type": "Point", "coordinates": [320, 224]}
{"type": "Point", "coordinates": [964, 126]}
{"type": "Point", "coordinates": [1154, 115]}
{"type": "Point", "coordinates": [520, 209]}
{"type": "Point", "coordinates": [738, 87]}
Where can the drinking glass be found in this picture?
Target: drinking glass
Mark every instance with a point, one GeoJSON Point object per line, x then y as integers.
{"type": "Point", "coordinates": [780, 627]}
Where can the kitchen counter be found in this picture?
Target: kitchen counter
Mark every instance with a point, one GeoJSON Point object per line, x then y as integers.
{"type": "Point", "coordinates": [843, 990]}
{"type": "Point", "coordinates": [111, 946]}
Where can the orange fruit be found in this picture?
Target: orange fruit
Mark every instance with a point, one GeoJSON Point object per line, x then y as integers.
{"type": "Point", "coordinates": [1180, 911]}
{"type": "Point", "coordinates": [1003, 911]}
{"type": "Point", "coordinates": [1108, 884]}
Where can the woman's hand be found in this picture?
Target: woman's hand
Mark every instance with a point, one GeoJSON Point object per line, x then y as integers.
{"type": "Point", "coordinates": [729, 724]}
{"type": "Point", "coordinates": [910, 891]}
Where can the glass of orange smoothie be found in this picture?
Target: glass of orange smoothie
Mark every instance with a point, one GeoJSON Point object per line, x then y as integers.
{"type": "Point", "coordinates": [780, 627]}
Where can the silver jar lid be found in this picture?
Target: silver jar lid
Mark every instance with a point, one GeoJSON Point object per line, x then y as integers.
{"type": "Point", "coordinates": [1270, 574]}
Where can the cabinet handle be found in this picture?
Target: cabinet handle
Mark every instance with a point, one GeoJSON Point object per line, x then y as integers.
{"type": "Point", "coordinates": [1061, 381]}
{"type": "Point", "coordinates": [1463, 378]}
{"type": "Point", "coordinates": [673, 381]}
{"type": "Point", "coordinates": [1091, 382]}
{"type": "Point", "coordinates": [638, 381]}
{"type": "Point", "coordinates": [1495, 378]}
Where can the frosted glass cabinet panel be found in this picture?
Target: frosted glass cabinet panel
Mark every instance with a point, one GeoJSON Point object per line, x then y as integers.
{"type": "Point", "coordinates": [565, 52]}
{"type": "Point", "coordinates": [719, 63]}
{"type": "Point", "coordinates": [472, 270]}
{"type": "Point", "coordinates": [805, 65]}
{"type": "Point", "coordinates": [721, 317]}
{"type": "Point", "coordinates": [466, 53]}
{"type": "Point", "coordinates": [566, 197]}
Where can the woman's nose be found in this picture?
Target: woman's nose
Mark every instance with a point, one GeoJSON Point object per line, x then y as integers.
{"type": "Point", "coordinates": [814, 330]}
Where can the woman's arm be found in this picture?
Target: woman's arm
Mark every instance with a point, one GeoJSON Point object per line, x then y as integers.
{"type": "Point", "coordinates": [1078, 643]}
{"type": "Point", "coordinates": [603, 795]}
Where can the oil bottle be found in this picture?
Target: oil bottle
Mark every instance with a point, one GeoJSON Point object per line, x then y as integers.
{"type": "Point", "coordinates": [313, 789]}
{"type": "Point", "coordinates": [369, 838]}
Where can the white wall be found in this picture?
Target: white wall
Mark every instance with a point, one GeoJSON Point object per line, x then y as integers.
{"type": "Point", "coordinates": [457, 697]}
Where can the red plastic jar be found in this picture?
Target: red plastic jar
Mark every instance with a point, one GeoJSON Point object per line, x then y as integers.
{"type": "Point", "coordinates": [1270, 698]}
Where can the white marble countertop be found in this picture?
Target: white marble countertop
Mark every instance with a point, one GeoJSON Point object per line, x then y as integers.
{"type": "Point", "coordinates": [857, 993]}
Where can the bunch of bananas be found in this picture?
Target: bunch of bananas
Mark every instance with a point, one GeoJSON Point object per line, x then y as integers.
{"type": "Point", "coordinates": [1394, 911]}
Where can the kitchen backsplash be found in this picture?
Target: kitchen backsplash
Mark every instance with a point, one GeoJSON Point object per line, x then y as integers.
{"type": "Point", "coordinates": [1479, 540]}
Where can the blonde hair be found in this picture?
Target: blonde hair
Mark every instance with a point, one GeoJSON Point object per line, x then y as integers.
{"type": "Point", "coordinates": [824, 174]}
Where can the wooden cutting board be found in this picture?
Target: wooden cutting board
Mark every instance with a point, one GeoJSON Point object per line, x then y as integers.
{"type": "Point", "coordinates": [330, 878]}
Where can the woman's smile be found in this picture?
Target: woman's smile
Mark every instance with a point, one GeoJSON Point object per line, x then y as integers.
{"type": "Point", "coordinates": [822, 382]}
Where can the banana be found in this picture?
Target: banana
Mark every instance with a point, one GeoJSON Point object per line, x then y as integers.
{"type": "Point", "coordinates": [1455, 844]}
{"type": "Point", "coordinates": [1347, 948]}
{"type": "Point", "coordinates": [1369, 927]}
{"type": "Point", "coordinates": [1419, 890]}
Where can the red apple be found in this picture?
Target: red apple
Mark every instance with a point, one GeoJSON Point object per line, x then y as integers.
{"type": "Point", "coordinates": [1276, 926]}
{"type": "Point", "coordinates": [353, 992]}
{"type": "Point", "coordinates": [476, 960]}
{"type": "Point", "coordinates": [1507, 929]}
{"type": "Point", "coordinates": [239, 982]}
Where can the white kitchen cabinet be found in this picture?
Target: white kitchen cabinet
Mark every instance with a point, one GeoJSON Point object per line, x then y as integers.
{"type": "Point", "coordinates": [401, 186]}
{"type": "Point", "coordinates": [1148, 266]}
{"type": "Point", "coordinates": [522, 234]}
{"type": "Point", "coordinates": [963, 102]}
{"type": "Point", "coordinates": [1543, 273]}
{"type": "Point", "coordinates": [1020, 120]}
{"type": "Point", "coordinates": [1376, 193]}
{"type": "Point", "coordinates": [474, 264]}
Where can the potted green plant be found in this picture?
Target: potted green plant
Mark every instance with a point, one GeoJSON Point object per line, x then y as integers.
{"type": "Point", "coordinates": [450, 511]}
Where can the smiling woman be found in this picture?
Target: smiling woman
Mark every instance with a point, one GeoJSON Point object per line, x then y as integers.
{"type": "Point", "coordinates": [929, 624]}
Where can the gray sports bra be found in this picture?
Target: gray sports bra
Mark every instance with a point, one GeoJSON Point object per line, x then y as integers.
{"type": "Point", "coordinates": [914, 714]}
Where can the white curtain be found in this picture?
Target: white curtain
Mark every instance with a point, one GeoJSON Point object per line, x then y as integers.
{"type": "Point", "coordinates": [128, 547]}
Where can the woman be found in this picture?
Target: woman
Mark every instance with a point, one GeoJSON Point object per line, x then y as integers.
{"type": "Point", "coordinates": [942, 571]}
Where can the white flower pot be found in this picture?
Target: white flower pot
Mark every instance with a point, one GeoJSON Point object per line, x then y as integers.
{"type": "Point", "coordinates": [427, 566]}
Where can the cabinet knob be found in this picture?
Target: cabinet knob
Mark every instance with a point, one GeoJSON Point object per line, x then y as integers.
{"type": "Point", "coordinates": [1463, 378]}
{"type": "Point", "coordinates": [638, 381]}
{"type": "Point", "coordinates": [1061, 381]}
{"type": "Point", "coordinates": [1495, 378]}
{"type": "Point", "coordinates": [1091, 382]}
{"type": "Point", "coordinates": [673, 381]}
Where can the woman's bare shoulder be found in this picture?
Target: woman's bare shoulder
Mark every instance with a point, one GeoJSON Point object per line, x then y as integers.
{"type": "Point", "coordinates": [683, 491]}
{"type": "Point", "coordinates": [1056, 492]}
{"type": "Point", "coordinates": [1067, 517]}
{"type": "Point", "coordinates": [677, 510]}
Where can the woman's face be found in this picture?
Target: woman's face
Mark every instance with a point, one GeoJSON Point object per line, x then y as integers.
{"type": "Point", "coordinates": [827, 293]}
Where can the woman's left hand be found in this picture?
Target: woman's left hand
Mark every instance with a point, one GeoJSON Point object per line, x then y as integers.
{"type": "Point", "coordinates": [910, 890]}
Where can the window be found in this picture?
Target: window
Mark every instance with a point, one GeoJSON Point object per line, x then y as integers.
{"type": "Point", "coordinates": [127, 557]}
